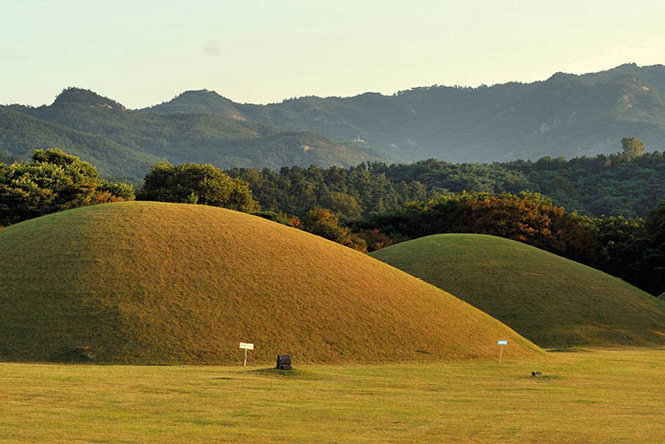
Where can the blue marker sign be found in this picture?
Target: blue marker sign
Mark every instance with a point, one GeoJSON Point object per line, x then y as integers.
{"type": "Point", "coordinates": [502, 342]}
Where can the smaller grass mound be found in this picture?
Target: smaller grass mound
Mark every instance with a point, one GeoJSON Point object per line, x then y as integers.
{"type": "Point", "coordinates": [554, 302]}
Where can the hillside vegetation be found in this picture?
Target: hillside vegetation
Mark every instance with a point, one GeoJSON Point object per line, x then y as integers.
{"type": "Point", "coordinates": [145, 282]}
{"type": "Point", "coordinates": [89, 125]}
{"type": "Point", "coordinates": [552, 301]}
{"type": "Point", "coordinates": [565, 115]}
{"type": "Point", "coordinates": [21, 134]}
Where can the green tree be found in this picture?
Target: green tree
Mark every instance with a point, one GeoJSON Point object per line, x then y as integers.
{"type": "Point", "coordinates": [622, 244]}
{"type": "Point", "coordinates": [632, 147]}
{"type": "Point", "coordinates": [197, 183]}
{"type": "Point", "coordinates": [343, 204]}
{"type": "Point", "coordinates": [655, 225]}
{"type": "Point", "coordinates": [53, 181]}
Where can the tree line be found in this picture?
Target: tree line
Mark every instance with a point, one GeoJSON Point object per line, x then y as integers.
{"type": "Point", "coordinates": [629, 183]}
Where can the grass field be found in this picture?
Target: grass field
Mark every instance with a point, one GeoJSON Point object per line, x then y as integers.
{"type": "Point", "coordinates": [548, 299]}
{"type": "Point", "coordinates": [611, 396]}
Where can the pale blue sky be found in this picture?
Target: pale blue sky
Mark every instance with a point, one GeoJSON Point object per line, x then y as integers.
{"type": "Point", "coordinates": [143, 52]}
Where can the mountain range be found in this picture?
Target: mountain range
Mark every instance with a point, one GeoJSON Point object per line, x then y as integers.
{"type": "Point", "coordinates": [566, 115]}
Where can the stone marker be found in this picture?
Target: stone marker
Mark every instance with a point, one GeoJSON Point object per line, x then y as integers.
{"type": "Point", "coordinates": [283, 362]}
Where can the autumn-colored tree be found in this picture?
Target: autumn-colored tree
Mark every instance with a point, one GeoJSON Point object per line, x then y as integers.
{"type": "Point", "coordinates": [324, 223]}
{"type": "Point", "coordinates": [525, 217]}
{"type": "Point", "coordinates": [376, 240]}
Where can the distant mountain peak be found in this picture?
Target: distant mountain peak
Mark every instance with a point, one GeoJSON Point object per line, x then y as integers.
{"type": "Point", "coordinates": [562, 75]}
{"type": "Point", "coordinates": [200, 93]}
{"type": "Point", "coordinates": [207, 96]}
{"type": "Point", "coordinates": [202, 101]}
{"type": "Point", "coordinates": [82, 96]}
{"type": "Point", "coordinates": [629, 65]}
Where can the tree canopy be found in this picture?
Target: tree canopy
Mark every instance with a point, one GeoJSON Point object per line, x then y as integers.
{"type": "Point", "coordinates": [613, 185]}
{"type": "Point", "coordinates": [632, 147]}
{"type": "Point", "coordinates": [53, 181]}
{"type": "Point", "coordinates": [197, 183]}
{"type": "Point", "coordinates": [324, 223]}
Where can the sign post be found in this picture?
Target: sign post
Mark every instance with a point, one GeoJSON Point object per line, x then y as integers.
{"type": "Point", "coordinates": [501, 343]}
{"type": "Point", "coordinates": [246, 347]}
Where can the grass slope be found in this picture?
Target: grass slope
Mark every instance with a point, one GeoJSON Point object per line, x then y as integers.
{"type": "Point", "coordinates": [144, 282]}
{"type": "Point", "coordinates": [550, 300]}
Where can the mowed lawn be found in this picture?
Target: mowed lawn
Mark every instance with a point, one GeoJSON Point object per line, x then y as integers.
{"type": "Point", "coordinates": [589, 396]}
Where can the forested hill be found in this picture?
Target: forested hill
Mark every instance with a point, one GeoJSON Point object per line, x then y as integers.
{"type": "Point", "coordinates": [614, 185]}
{"type": "Point", "coordinates": [21, 134]}
{"type": "Point", "coordinates": [565, 115]}
{"type": "Point", "coordinates": [106, 133]}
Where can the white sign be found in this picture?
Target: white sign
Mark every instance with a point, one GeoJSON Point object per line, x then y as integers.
{"type": "Point", "coordinates": [501, 343]}
{"type": "Point", "coordinates": [245, 346]}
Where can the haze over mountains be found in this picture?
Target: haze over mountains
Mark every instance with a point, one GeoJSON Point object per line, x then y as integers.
{"type": "Point", "coordinates": [565, 115]}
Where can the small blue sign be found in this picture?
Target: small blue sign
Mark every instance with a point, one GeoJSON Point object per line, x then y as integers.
{"type": "Point", "coordinates": [502, 342]}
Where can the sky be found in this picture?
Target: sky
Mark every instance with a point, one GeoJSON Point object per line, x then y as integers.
{"type": "Point", "coordinates": [144, 52]}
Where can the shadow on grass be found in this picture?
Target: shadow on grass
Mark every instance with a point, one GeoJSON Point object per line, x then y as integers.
{"type": "Point", "coordinates": [567, 349]}
{"type": "Point", "coordinates": [542, 378]}
{"type": "Point", "coordinates": [289, 374]}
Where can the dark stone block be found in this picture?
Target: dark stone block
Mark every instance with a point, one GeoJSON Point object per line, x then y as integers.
{"type": "Point", "coordinates": [284, 362]}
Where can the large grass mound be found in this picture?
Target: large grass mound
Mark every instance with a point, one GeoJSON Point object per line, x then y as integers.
{"type": "Point", "coordinates": [550, 300]}
{"type": "Point", "coordinates": [148, 282]}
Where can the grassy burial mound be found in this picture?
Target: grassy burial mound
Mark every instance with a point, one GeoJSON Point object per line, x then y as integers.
{"type": "Point", "coordinates": [550, 300]}
{"type": "Point", "coordinates": [143, 282]}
